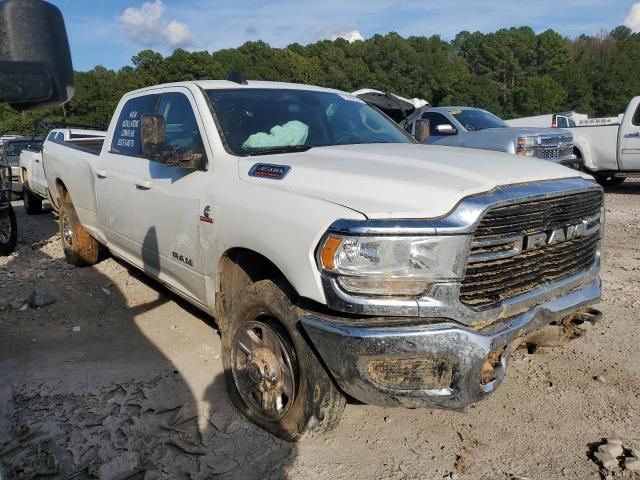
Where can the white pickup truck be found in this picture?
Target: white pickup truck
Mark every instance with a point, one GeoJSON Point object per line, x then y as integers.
{"type": "Point", "coordinates": [608, 146]}
{"type": "Point", "coordinates": [32, 169]}
{"type": "Point", "coordinates": [338, 256]}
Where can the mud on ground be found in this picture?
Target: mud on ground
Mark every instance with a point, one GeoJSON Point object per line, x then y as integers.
{"type": "Point", "coordinates": [119, 379]}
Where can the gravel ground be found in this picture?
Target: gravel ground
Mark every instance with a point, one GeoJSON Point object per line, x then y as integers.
{"type": "Point", "coordinates": [119, 379]}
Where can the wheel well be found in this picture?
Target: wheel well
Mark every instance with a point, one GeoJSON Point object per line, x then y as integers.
{"type": "Point", "coordinates": [63, 193]}
{"type": "Point", "coordinates": [577, 152]}
{"type": "Point", "coordinates": [240, 267]}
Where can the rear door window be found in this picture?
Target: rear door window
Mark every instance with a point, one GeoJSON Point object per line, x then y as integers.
{"type": "Point", "coordinates": [127, 134]}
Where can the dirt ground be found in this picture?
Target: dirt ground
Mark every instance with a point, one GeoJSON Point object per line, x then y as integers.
{"type": "Point", "coordinates": [119, 379]}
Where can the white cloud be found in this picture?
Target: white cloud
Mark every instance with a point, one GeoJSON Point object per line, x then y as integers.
{"type": "Point", "coordinates": [351, 36]}
{"type": "Point", "coordinates": [147, 26]}
{"type": "Point", "coordinates": [633, 19]}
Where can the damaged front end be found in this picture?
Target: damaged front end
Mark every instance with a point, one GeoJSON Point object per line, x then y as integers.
{"type": "Point", "coordinates": [531, 277]}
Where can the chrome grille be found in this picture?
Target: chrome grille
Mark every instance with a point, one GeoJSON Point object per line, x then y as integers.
{"type": "Point", "coordinates": [555, 147]}
{"type": "Point", "coordinates": [498, 270]}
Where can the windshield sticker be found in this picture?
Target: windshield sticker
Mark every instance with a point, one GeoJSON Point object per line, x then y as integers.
{"type": "Point", "coordinates": [455, 112]}
{"type": "Point", "coordinates": [269, 170]}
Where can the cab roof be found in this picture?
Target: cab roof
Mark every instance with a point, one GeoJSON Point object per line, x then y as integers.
{"type": "Point", "coordinates": [226, 84]}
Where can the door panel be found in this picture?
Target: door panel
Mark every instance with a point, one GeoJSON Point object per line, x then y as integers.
{"type": "Point", "coordinates": [167, 203]}
{"type": "Point", "coordinates": [116, 174]}
{"type": "Point", "coordinates": [629, 141]}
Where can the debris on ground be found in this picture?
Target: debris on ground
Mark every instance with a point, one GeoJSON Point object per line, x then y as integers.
{"type": "Point", "coordinates": [40, 298]}
{"type": "Point", "coordinates": [613, 457]}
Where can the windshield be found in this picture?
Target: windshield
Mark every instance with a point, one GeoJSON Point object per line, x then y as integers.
{"type": "Point", "coordinates": [258, 121]}
{"type": "Point", "coordinates": [473, 120]}
{"type": "Point", "coordinates": [14, 148]}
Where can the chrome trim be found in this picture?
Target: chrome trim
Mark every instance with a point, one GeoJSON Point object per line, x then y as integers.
{"type": "Point", "coordinates": [466, 215]}
{"type": "Point", "coordinates": [465, 347]}
{"type": "Point", "coordinates": [443, 300]}
{"type": "Point", "coordinates": [516, 249]}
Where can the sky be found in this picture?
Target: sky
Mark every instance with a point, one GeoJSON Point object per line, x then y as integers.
{"type": "Point", "coordinates": [110, 32]}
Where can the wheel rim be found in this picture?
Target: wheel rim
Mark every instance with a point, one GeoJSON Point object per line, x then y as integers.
{"type": "Point", "coordinates": [5, 228]}
{"type": "Point", "coordinates": [263, 366]}
{"type": "Point", "coordinates": [67, 231]}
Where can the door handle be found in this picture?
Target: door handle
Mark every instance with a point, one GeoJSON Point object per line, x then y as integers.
{"type": "Point", "coordinates": [37, 160]}
{"type": "Point", "coordinates": [632, 135]}
{"type": "Point", "coordinates": [143, 184]}
{"type": "Point", "coordinates": [101, 173]}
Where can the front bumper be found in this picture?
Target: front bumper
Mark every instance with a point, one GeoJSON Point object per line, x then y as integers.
{"type": "Point", "coordinates": [458, 354]}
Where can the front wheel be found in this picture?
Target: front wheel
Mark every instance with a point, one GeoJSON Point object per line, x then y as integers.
{"type": "Point", "coordinates": [8, 230]}
{"type": "Point", "coordinates": [273, 377]}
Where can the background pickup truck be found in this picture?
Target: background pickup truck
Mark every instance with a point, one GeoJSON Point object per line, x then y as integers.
{"type": "Point", "coordinates": [338, 256]}
{"type": "Point", "coordinates": [474, 128]}
{"type": "Point", "coordinates": [608, 146]}
{"type": "Point", "coordinates": [32, 169]}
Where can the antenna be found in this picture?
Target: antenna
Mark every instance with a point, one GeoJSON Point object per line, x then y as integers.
{"type": "Point", "coordinates": [237, 77]}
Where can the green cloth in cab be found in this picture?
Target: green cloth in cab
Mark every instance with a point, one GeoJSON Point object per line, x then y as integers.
{"type": "Point", "coordinates": [291, 133]}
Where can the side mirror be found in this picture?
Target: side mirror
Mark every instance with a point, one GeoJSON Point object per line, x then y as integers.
{"type": "Point", "coordinates": [35, 60]}
{"type": "Point", "coordinates": [156, 148]}
{"type": "Point", "coordinates": [446, 129]}
{"type": "Point", "coordinates": [422, 129]}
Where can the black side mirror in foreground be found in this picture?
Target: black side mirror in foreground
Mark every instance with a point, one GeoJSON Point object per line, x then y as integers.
{"type": "Point", "coordinates": [35, 60]}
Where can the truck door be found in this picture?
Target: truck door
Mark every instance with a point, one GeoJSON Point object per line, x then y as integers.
{"type": "Point", "coordinates": [37, 180]}
{"type": "Point", "coordinates": [629, 137]}
{"type": "Point", "coordinates": [167, 200]}
{"type": "Point", "coordinates": [118, 170]}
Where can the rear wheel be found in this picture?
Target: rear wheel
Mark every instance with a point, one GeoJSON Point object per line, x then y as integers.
{"type": "Point", "coordinates": [8, 230]}
{"type": "Point", "coordinates": [32, 203]}
{"type": "Point", "coordinates": [80, 248]}
{"type": "Point", "coordinates": [273, 376]}
{"type": "Point", "coordinates": [609, 181]}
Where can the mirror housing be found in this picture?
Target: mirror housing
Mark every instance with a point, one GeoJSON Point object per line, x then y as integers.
{"type": "Point", "coordinates": [35, 60]}
{"type": "Point", "coordinates": [422, 130]}
{"type": "Point", "coordinates": [446, 129]}
{"type": "Point", "coordinates": [156, 149]}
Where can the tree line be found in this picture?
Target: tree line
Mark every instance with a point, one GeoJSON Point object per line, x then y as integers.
{"type": "Point", "coordinates": [512, 72]}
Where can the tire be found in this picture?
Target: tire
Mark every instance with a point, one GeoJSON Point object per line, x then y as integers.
{"type": "Point", "coordinates": [609, 181]}
{"type": "Point", "coordinates": [32, 203]}
{"type": "Point", "coordinates": [80, 248]}
{"type": "Point", "coordinates": [265, 321]}
{"type": "Point", "coordinates": [8, 231]}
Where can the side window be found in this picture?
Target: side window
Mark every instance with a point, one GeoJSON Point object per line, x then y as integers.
{"type": "Point", "coordinates": [52, 136]}
{"type": "Point", "coordinates": [181, 127]}
{"type": "Point", "coordinates": [435, 119]}
{"type": "Point", "coordinates": [126, 137]}
{"type": "Point", "coordinates": [636, 117]}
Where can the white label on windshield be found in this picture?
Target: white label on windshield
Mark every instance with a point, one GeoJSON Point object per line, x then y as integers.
{"type": "Point", "coordinates": [351, 98]}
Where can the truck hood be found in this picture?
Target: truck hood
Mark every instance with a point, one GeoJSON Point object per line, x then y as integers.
{"type": "Point", "coordinates": [400, 180]}
{"type": "Point", "coordinates": [523, 131]}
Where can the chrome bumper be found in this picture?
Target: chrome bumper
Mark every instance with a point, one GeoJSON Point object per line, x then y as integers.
{"type": "Point", "coordinates": [347, 347]}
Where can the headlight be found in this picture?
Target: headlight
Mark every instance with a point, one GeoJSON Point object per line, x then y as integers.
{"type": "Point", "coordinates": [392, 265]}
{"type": "Point", "coordinates": [526, 146]}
